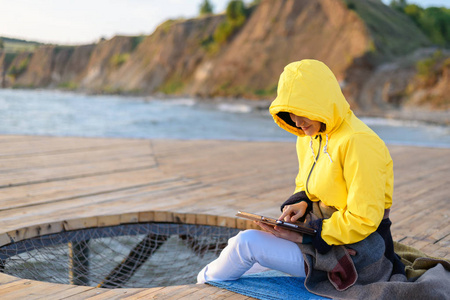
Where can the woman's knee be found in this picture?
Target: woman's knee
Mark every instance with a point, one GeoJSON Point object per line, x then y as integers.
{"type": "Point", "coordinates": [248, 239]}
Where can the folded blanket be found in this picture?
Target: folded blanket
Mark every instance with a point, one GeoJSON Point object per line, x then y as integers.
{"type": "Point", "coordinates": [367, 274]}
{"type": "Point", "coordinates": [416, 262]}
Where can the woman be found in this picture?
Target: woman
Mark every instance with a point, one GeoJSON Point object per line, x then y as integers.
{"type": "Point", "coordinates": [345, 179]}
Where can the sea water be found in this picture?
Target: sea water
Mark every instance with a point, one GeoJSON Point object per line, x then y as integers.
{"type": "Point", "coordinates": [56, 113]}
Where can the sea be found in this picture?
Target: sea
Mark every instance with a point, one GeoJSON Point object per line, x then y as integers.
{"type": "Point", "coordinates": [59, 113]}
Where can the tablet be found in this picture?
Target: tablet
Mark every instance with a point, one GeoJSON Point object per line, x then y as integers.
{"type": "Point", "coordinates": [294, 226]}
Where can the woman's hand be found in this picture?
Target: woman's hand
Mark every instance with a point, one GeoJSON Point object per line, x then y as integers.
{"type": "Point", "coordinates": [292, 213]}
{"type": "Point", "coordinates": [282, 233]}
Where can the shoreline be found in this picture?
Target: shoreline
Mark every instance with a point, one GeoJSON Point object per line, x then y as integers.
{"type": "Point", "coordinates": [439, 118]}
{"type": "Point", "coordinates": [413, 114]}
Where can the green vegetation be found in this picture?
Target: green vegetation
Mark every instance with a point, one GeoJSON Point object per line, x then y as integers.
{"type": "Point", "coordinates": [429, 68]}
{"type": "Point", "coordinates": [433, 21]}
{"type": "Point", "coordinates": [70, 85]}
{"type": "Point", "coordinates": [59, 49]}
{"type": "Point", "coordinates": [136, 40]}
{"type": "Point", "coordinates": [16, 71]}
{"type": "Point", "coordinates": [165, 27]}
{"type": "Point", "coordinates": [393, 33]}
{"type": "Point", "coordinates": [206, 8]}
{"type": "Point", "coordinates": [114, 90]}
{"type": "Point", "coordinates": [237, 14]}
{"type": "Point", "coordinates": [16, 45]}
{"type": "Point", "coordinates": [9, 57]}
{"type": "Point", "coordinates": [230, 89]}
{"type": "Point", "coordinates": [172, 86]}
{"type": "Point", "coordinates": [268, 92]}
{"type": "Point", "coordinates": [118, 59]}
{"type": "Point", "coordinates": [23, 86]}
{"type": "Point", "coordinates": [430, 72]}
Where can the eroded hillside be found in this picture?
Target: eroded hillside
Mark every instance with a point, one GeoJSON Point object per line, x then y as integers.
{"type": "Point", "coordinates": [363, 42]}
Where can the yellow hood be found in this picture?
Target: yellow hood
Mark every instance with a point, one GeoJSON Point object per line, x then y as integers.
{"type": "Point", "coordinates": [309, 89]}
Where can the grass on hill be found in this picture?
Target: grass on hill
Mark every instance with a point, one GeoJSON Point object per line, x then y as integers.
{"type": "Point", "coordinates": [10, 45]}
{"type": "Point", "coordinates": [394, 33]}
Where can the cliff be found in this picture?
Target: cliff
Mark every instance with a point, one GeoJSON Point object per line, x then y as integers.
{"type": "Point", "coordinates": [363, 42]}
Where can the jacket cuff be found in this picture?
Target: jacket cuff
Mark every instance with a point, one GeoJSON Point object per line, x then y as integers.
{"type": "Point", "coordinates": [318, 243]}
{"type": "Point", "coordinates": [297, 198]}
{"type": "Point", "coordinates": [307, 239]}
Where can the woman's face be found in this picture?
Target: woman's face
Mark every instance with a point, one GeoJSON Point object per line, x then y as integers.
{"type": "Point", "coordinates": [309, 127]}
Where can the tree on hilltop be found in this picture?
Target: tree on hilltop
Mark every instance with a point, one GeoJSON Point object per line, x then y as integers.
{"type": "Point", "coordinates": [206, 8]}
{"type": "Point", "coordinates": [236, 11]}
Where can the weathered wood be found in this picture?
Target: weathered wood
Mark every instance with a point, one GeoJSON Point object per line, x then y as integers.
{"type": "Point", "coordinates": [51, 184]}
{"type": "Point", "coordinates": [36, 230]}
{"type": "Point", "coordinates": [65, 292]}
{"type": "Point", "coordinates": [115, 294]}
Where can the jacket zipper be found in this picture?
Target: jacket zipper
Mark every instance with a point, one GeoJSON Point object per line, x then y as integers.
{"type": "Point", "coordinates": [314, 164]}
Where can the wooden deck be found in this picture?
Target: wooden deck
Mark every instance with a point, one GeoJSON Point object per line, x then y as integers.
{"type": "Point", "coordinates": [49, 184]}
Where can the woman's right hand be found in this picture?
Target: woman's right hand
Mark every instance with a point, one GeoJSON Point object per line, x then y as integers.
{"type": "Point", "coordinates": [292, 213]}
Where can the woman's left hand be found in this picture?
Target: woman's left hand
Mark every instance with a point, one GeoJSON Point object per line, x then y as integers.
{"type": "Point", "coordinates": [282, 233]}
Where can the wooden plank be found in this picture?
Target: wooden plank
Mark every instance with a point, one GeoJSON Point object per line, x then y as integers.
{"type": "Point", "coordinates": [36, 230]}
{"type": "Point", "coordinates": [13, 286]}
{"type": "Point", "coordinates": [33, 290]}
{"type": "Point", "coordinates": [109, 196]}
{"type": "Point", "coordinates": [179, 218]}
{"type": "Point", "coordinates": [115, 294]}
{"type": "Point", "coordinates": [163, 216]}
{"type": "Point", "coordinates": [226, 221]}
{"type": "Point", "coordinates": [71, 158]}
{"type": "Point", "coordinates": [145, 294]}
{"type": "Point", "coordinates": [85, 294]}
{"type": "Point", "coordinates": [75, 224]}
{"type": "Point", "coordinates": [69, 291]}
{"type": "Point", "coordinates": [55, 145]}
{"type": "Point", "coordinates": [171, 291]}
{"type": "Point", "coordinates": [147, 216]}
{"type": "Point", "coordinates": [4, 239]}
{"type": "Point", "coordinates": [33, 194]}
{"type": "Point", "coordinates": [61, 173]}
{"type": "Point", "coordinates": [104, 221]}
{"type": "Point", "coordinates": [128, 218]}
{"type": "Point", "coordinates": [210, 292]}
{"type": "Point", "coordinates": [5, 278]}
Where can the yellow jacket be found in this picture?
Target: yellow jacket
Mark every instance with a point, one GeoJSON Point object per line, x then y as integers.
{"type": "Point", "coordinates": [353, 172]}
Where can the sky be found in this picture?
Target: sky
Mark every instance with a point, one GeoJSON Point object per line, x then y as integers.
{"type": "Point", "coordinates": [74, 22]}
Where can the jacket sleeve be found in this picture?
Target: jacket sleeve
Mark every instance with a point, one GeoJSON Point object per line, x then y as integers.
{"type": "Point", "coordinates": [365, 161]}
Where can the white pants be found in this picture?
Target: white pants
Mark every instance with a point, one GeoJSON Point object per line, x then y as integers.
{"type": "Point", "coordinates": [252, 251]}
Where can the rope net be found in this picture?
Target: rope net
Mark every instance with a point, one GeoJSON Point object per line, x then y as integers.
{"type": "Point", "coordinates": [124, 256]}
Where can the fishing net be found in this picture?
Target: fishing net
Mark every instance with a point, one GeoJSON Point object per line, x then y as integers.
{"type": "Point", "coordinates": [124, 256]}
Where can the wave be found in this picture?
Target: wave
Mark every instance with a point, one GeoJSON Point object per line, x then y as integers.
{"type": "Point", "coordinates": [235, 108]}
{"type": "Point", "coordinates": [370, 121]}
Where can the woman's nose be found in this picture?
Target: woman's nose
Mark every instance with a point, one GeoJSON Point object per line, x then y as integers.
{"type": "Point", "coordinates": [299, 122]}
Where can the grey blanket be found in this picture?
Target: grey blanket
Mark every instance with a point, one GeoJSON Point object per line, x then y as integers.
{"type": "Point", "coordinates": [361, 271]}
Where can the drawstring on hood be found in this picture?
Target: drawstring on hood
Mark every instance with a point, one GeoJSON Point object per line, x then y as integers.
{"type": "Point", "coordinates": [309, 89]}
{"type": "Point", "coordinates": [312, 149]}
{"type": "Point", "coordinates": [325, 149]}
